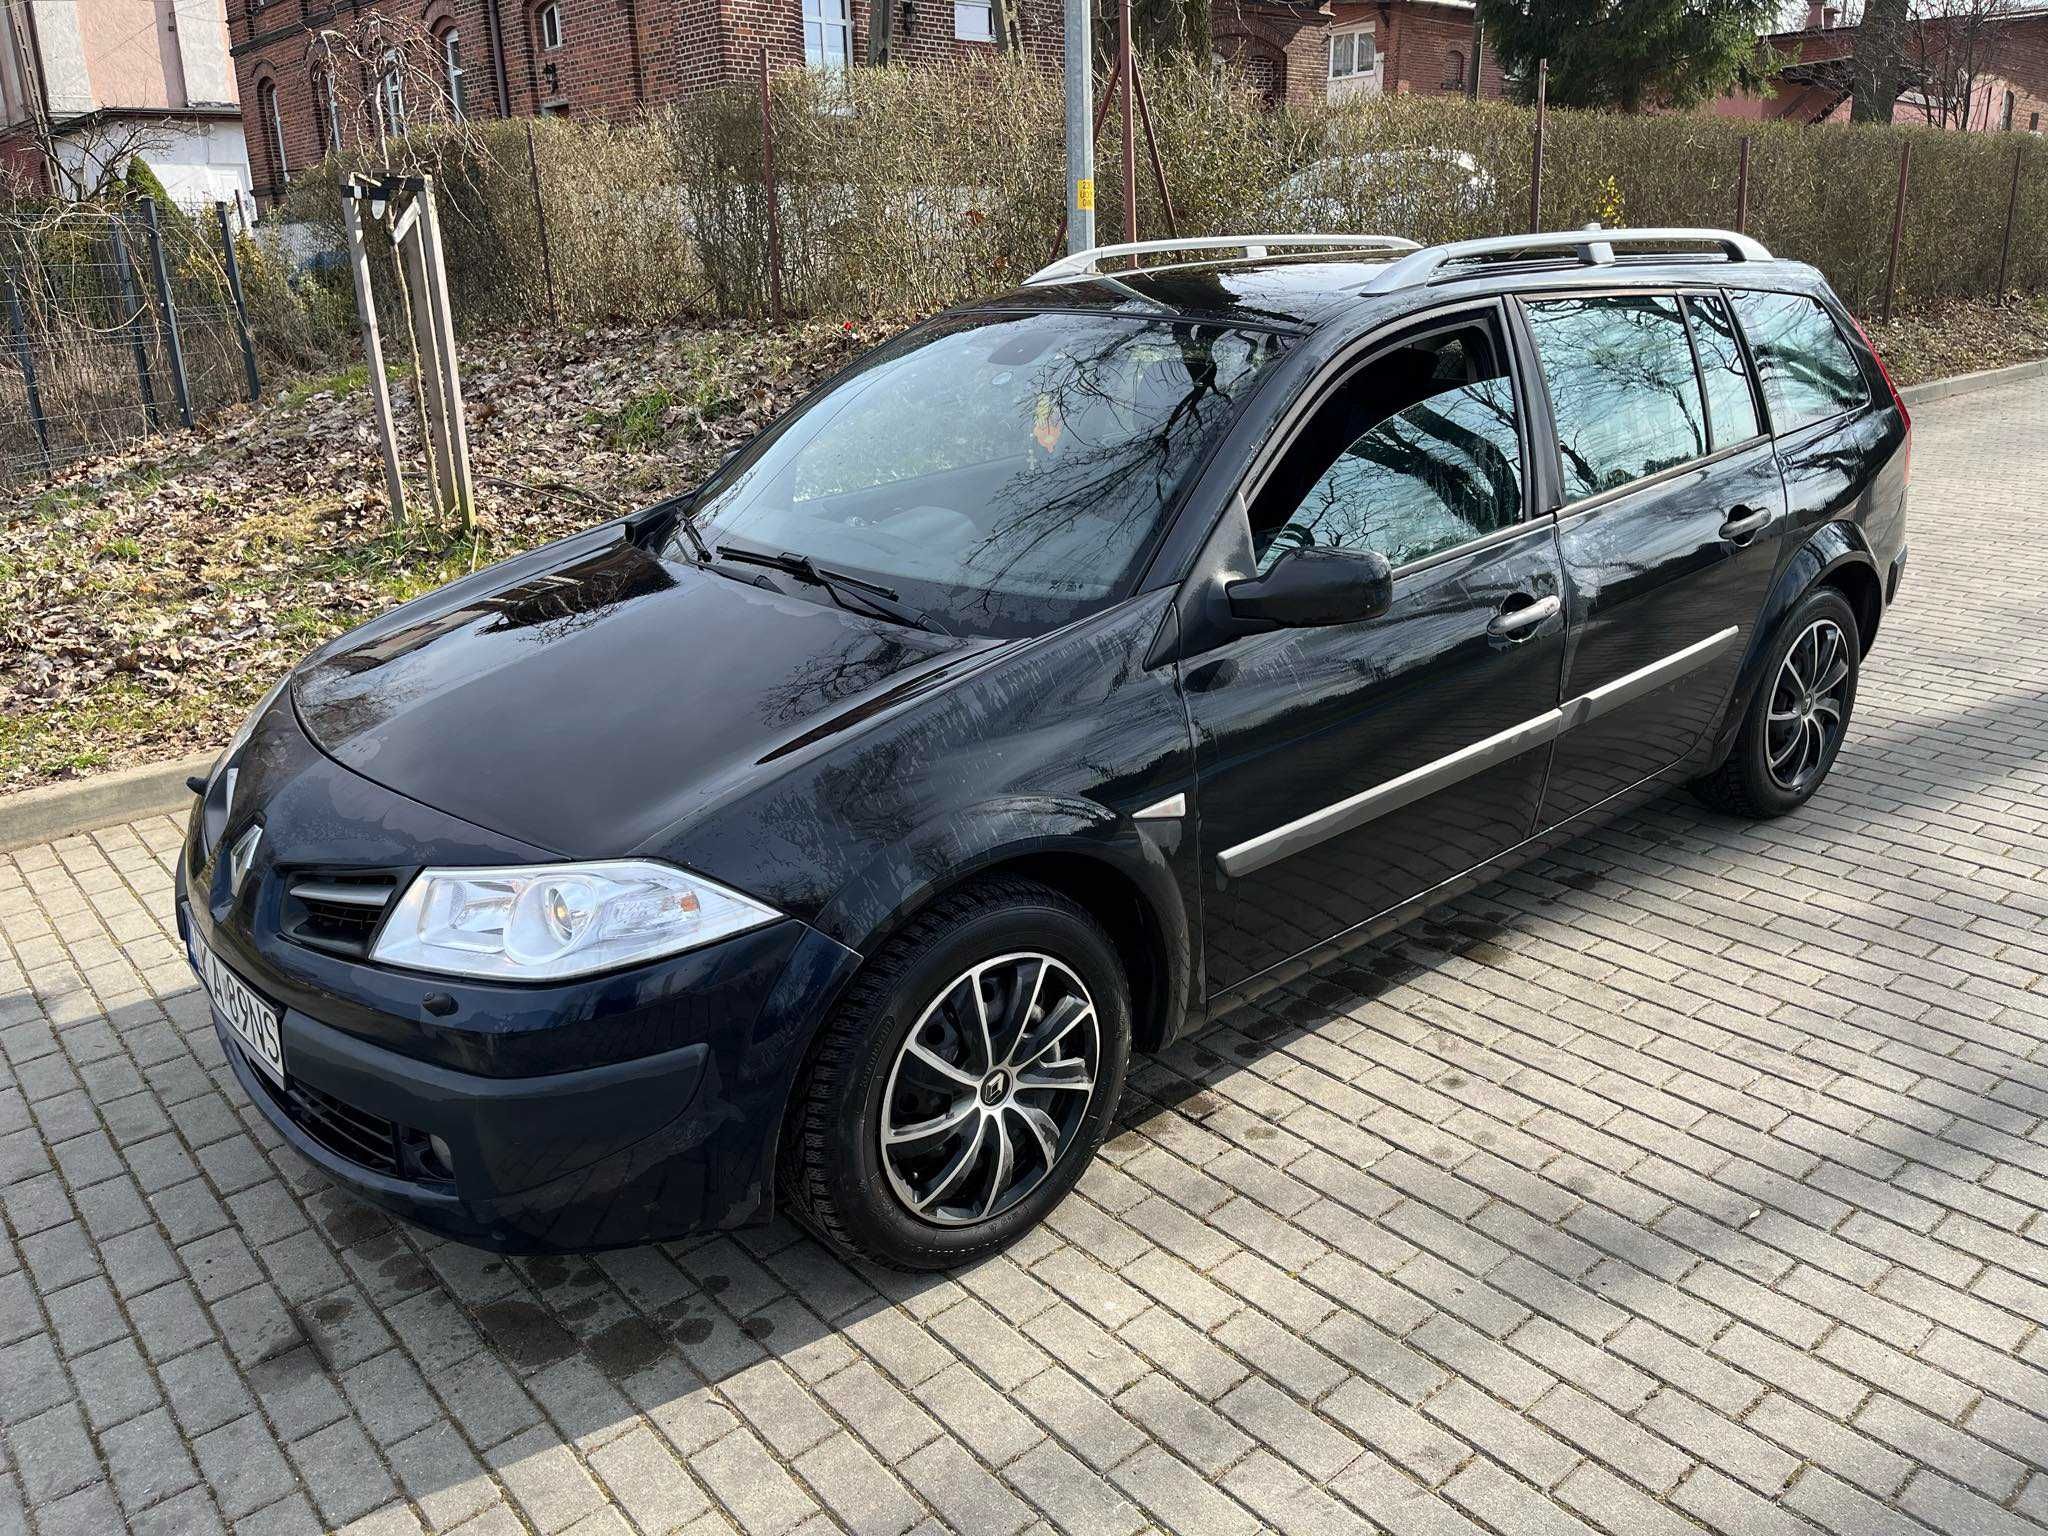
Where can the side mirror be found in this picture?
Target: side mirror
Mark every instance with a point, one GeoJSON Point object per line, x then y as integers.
{"type": "Point", "coordinates": [1312, 587]}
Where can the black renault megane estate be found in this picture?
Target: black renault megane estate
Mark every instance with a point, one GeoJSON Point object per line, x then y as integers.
{"type": "Point", "coordinates": [1074, 666]}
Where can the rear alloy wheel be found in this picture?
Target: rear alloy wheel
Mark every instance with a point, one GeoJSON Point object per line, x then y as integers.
{"type": "Point", "coordinates": [1797, 716]}
{"type": "Point", "coordinates": [959, 1091]}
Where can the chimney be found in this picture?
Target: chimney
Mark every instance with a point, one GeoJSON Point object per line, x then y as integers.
{"type": "Point", "coordinates": [1818, 15]}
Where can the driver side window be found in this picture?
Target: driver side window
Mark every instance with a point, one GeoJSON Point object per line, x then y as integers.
{"type": "Point", "coordinates": [1416, 453]}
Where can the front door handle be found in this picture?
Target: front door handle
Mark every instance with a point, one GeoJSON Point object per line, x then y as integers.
{"type": "Point", "coordinates": [1744, 524]}
{"type": "Point", "coordinates": [1516, 623]}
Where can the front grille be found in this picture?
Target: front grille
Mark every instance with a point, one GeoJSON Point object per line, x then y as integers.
{"type": "Point", "coordinates": [368, 1140]}
{"type": "Point", "coordinates": [336, 910]}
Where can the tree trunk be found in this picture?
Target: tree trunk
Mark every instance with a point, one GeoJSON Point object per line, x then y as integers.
{"type": "Point", "coordinates": [1878, 61]}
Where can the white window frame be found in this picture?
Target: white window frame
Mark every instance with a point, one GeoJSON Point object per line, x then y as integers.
{"type": "Point", "coordinates": [451, 61]}
{"type": "Point", "coordinates": [549, 25]}
{"type": "Point", "coordinates": [332, 103]}
{"type": "Point", "coordinates": [1352, 36]}
{"type": "Point", "coordinates": [974, 21]}
{"type": "Point", "coordinates": [391, 94]}
{"type": "Point", "coordinates": [826, 21]}
{"type": "Point", "coordinates": [276, 115]}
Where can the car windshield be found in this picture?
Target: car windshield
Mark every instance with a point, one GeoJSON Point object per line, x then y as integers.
{"type": "Point", "coordinates": [1003, 474]}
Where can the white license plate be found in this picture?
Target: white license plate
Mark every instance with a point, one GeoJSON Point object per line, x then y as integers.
{"type": "Point", "coordinates": [253, 1020]}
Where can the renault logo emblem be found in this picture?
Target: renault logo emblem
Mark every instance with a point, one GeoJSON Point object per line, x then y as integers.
{"type": "Point", "coordinates": [241, 856]}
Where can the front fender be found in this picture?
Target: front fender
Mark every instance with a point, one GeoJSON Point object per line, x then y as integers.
{"type": "Point", "coordinates": [1830, 547]}
{"type": "Point", "coordinates": [942, 853]}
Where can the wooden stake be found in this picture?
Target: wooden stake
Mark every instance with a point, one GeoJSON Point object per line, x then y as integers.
{"type": "Point", "coordinates": [373, 352]}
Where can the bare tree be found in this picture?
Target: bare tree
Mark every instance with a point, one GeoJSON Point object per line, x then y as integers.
{"type": "Point", "coordinates": [1956, 54]}
{"type": "Point", "coordinates": [376, 81]}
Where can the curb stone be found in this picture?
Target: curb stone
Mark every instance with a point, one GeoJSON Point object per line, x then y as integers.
{"type": "Point", "coordinates": [60, 810]}
{"type": "Point", "coordinates": [1964, 383]}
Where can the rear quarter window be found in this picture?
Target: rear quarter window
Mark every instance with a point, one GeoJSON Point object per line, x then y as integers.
{"type": "Point", "coordinates": [1806, 369]}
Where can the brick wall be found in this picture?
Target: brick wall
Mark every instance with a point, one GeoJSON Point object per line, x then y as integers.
{"type": "Point", "coordinates": [616, 57]}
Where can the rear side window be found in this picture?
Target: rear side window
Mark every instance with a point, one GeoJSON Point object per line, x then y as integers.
{"type": "Point", "coordinates": [1807, 370]}
{"type": "Point", "coordinates": [1731, 408]}
{"type": "Point", "coordinates": [1623, 390]}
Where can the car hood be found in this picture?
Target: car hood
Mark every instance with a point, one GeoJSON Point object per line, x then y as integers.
{"type": "Point", "coordinates": [588, 698]}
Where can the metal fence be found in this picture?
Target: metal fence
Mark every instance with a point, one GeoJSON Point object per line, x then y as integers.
{"type": "Point", "coordinates": [115, 323]}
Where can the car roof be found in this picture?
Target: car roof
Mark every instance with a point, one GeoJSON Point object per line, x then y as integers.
{"type": "Point", "coordinates": [1306, 293]}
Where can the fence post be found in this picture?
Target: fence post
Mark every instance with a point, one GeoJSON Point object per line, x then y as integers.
{"type": "Point", "coordinates": [540, 215]}
{"type": "Point", "coordinates": [1742, 189]}
{"type": "Point", "coordinates": [768, 186]}
{"type": "Point", "coordinates": [167, 312]}
{"type": "Point", "coordinates": [2012, 208]}
{"type": "Point", "coordinates": [131, 321]}
{"type": "Point", "coordinates": [24, 358]}
{"type": "Point", "coordinates": [1536, 163]}
{"type": "Point", "coordinates": [1891, 266]}
{"type": "Point", "coordinates": [234, 269]}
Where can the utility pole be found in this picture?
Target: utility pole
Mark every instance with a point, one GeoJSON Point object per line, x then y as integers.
{"type": "Point", "coordinates": [1477, 50]}
{"type": "Point", "coordinates": [1080, 128]}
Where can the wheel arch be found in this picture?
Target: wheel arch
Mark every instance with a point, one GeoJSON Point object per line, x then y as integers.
{"type": "Point", "coordinates": [1124, 879]}
{"type": "Point", "coordinates": [1834, 556]}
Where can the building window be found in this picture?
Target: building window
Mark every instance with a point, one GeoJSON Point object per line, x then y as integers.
{"type": "Point", "coordinates": [2034, 123]}
{"type": "Point", "coordinates": [828, 34]}
{"type": "Point", "coordinates": [1454, 71]}
{"type": "Point", "coordinates": [974, 21]}
{"type": "Point", "coordinates": [1351, 54]}
{"type": "Point", "coordinates": [550, 26]}
{"type": "Point", "coordinates": [273, 120]}
{"type": "Point", "coordinates": [451, 58]}
{"type": "Point", "coordinates": [391, 94]}
{"type": "Point", "coordinates": [2011, 102]}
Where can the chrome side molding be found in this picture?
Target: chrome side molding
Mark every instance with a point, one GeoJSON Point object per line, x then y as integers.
{"type": "Point", "coordinates": [1348, 814]}
{"type": "Point", "coordinates": [1171, 808]}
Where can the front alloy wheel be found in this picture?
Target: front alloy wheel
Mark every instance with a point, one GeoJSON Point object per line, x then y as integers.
{"type": "Point", "coordinates": [989, 1089]}
{"type": "Point", "coordinates": [959, 1090]}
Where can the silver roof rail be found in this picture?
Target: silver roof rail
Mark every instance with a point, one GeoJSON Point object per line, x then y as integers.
{"type": "Point", "coordinates": [1592, 245]}
{"type": "Point", "coordinates": [1088, 263]}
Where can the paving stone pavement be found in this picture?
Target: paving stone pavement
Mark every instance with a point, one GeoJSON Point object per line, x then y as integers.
{"type": "Point", "coordinates": [1693, 1178]}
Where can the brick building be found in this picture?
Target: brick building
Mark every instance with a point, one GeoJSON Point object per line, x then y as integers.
{"type": "Point", "coordinates": [1981, 72]}
{"type": "Point", "coordinates": [1304, 51]}
{"type": "Point", "coordinates": [318, 74]}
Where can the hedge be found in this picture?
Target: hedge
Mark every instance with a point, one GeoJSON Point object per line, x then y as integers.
{"type": "Point", "coordinates": [901, 191]}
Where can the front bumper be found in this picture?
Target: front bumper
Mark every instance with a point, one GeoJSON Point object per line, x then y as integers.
{"type": "Point", "coordinates": [597, 1113]}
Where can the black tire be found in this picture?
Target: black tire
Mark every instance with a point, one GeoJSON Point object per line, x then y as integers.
{"type": "Point", "coordinates": [1745, 784]}
{"type": "Point", "coordinates": [832, 1172]}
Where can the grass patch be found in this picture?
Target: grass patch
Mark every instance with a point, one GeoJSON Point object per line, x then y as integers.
{"type": "Point", "coordinates": [346, 382]}
{"type": "Point", "coordinates": [640, 423]}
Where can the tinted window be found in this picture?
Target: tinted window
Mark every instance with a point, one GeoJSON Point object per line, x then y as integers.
{"type": "Point", "coordinates": [1731, 408]}
{"type": "Point", "coordinates": [1002, 474]}
{"type": "Point", "coordinates": [1438, 462]}
{"type": "Point", "coordinates": [1807, 370]}
{"type": "Point", "coordinates": [1623, 390]}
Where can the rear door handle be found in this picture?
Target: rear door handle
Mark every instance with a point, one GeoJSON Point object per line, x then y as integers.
{"type": "Point", "coordinates": [1744, 524]}
{"type": "Point", "coordinates": [1516, 623]}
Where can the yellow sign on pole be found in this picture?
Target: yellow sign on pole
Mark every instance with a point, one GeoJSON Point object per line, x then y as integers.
{"type": "Point", "coordinates": [1084, 192]}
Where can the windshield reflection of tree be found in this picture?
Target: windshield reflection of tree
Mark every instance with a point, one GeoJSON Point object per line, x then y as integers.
{"type": "Point", "coordinates": [1122, 478]}
{"type": "Point", "coordinates": [1606, 360]}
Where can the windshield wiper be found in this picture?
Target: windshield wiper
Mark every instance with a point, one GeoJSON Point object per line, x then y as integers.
{"type": "Point", "coordinates": [878, 599]}
{"type": "Point", "coordinates": [687, 521]}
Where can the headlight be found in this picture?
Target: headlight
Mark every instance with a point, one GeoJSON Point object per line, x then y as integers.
{"type": "Point", "coordinates": [546, 922]}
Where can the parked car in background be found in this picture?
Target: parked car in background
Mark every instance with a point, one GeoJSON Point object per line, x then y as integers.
{"type": "Point", "coordinates": [1410, 190]}
{"type": "Point", "coordinates": [1077, 665]}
